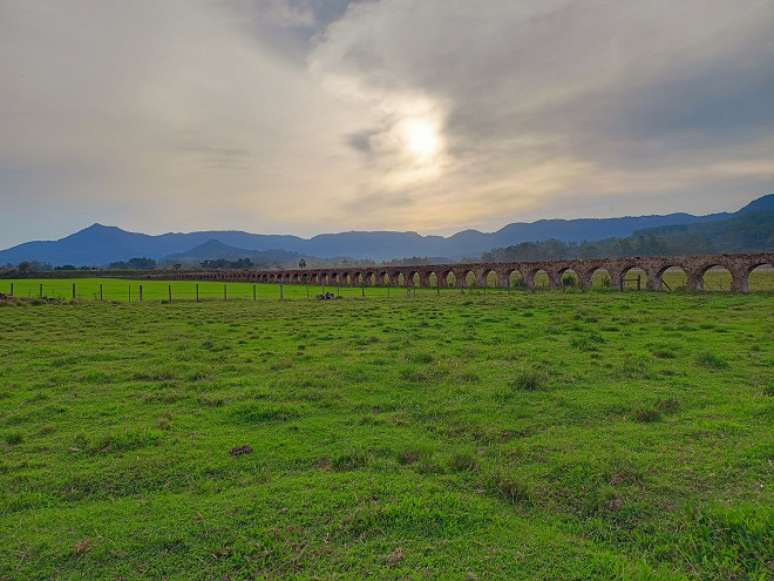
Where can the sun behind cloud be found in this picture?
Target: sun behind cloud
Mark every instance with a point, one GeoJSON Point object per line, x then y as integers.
{"type": "Point", "coordinates": [421, 139]}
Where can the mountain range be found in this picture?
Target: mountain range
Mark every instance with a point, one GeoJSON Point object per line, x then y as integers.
{"type": "Point", "coordinates": [101, 245]}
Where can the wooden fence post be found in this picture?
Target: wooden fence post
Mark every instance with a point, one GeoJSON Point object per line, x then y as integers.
{"type": "Point", "coordinates": [73, 291]}
{"type": "Point", "coordinates": [197, 292]}
{"type": "Point", "coordinates": [101, 294]}
{"type": "Point", "coordinates": [11, 289]}
{"type": "Point", "coordinates": [254, 296]}
{"type": "Point", "coordinates": [140, 293]}
{"type": "Point", "coordinates": [169, 288]}
{"type": "Point", "coordinates": [225, 292]}
{"type": "Point", "coordinates": [41, 290]}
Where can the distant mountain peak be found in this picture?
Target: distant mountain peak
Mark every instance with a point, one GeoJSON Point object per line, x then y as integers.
{"type": "Point", "coordinates": [762, 204]}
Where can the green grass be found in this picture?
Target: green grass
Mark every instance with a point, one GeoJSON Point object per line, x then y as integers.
{"type": "Point", "coordinates": [487, 435]}
{"type": "Point", "coordinates": [121, 290]}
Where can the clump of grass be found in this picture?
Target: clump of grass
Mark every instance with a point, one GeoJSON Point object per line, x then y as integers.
{"type": "Point", "coordinates": [530, 380]}
{"type": "Point", "coordinates": [667, 406]}
{"type": "Point", "coordinates": [712, 361]}
{"type": "Point", "coordinates": [664, 354]}
{"type": "Point", "coordinates": [410, 456]}
{"type": "Point", "coordinates": [421, 358]}
{"type": "Point", "coordinates": [509, 488]}
{"type": "Point", "coordinates": [210, 401]}
{"type": "Point", "coordinates": [124, 441]}
{"type": "Point", "coordinates": [14, 438]}
{"type": "Point", "coordinates": [647, 416]}
{"type": "Point", "coordinates": [259, 413]}
{"type": "Point", "coordinates": [461, 462]}
{"type": "Point", "coordinates": [351, 460]}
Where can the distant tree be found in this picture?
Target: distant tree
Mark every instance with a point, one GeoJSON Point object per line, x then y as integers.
{"type": "Point", "coordinates": [141, 264]}
{"type": "Point", "coordinates": [302, 263]}
{"type": "Point", "coordinates": [24, 267]}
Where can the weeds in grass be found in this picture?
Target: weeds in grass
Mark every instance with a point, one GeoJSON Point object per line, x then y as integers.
{"type": "Point", "coordinates": [463, 463]}
{"type": "Point", "coordinates": [647, 416]}
{"type": "Point", "coordinates": [256, 413]}
{"type": "Point", "coordinates": [712, 361]}
{"type": "Point", "coordinates": [14, 438]}
{"type": "Point", "coordinates": [530, 380]}
{"type": "Point", "coordinates": [509, 488]}
{"type": "Point", "coordinates": [352, 460]}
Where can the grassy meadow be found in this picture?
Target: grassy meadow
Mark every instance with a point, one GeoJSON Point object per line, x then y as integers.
{"type": "Point", "coordinates": [468, 436]}
{"type": "Point", "coordinates": [126, 290]}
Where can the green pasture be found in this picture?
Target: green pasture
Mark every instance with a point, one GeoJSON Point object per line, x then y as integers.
{"type": "Point", "coordinates": [124, 290]}
{"type": "Point", "coordinates": [490, 435]}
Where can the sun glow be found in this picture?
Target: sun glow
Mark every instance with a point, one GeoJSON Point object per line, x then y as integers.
{"type": "Point", "coordinates": [421, 139]}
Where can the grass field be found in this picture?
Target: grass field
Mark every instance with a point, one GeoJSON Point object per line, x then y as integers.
{"type": "Point", "coordinates": [124, 290]}
{"type": "Point", "coordinates": [487, 435]}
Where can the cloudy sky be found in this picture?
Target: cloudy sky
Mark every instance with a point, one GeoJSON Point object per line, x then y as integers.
{"type": "Point", "coordinates": [309, 116]}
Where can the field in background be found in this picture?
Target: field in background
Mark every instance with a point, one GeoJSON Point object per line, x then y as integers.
{"type": "Point", "coordinates": [551, 435]}
{"type": "Point", "coordinates": [122, 290]}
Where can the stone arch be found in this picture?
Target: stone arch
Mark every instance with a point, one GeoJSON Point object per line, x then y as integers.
{"type": "Point", "coordinates": [488, 278]}
{"type": "Point", "coordinates": [715, 277]}
{"type": "Point", "coordinates": [634, 277]}
{"type": "Point", "coordinates": [515, 278]}
{"type": "Point", "coordinates": [538, 278]}
{"type": "Point", "coordinates": [674, 276]}
{"type": "Point", "coordinates": [759, 276]}
{"type": "Point", "coordinates": [570, 278]}
{"type": "Point", "coordinates": [602, 277]}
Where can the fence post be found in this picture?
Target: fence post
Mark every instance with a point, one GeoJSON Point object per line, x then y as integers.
{"type": "Point", "coordinates": [101, 294]}
{"type": "Point", "coordinates": [282, 292]}
{"type": "Point", "coordinates": [197, 292]}
{"type": "Point", "coordinates": [254, 297]}
{"type": "Point", "coordinates": [306, 288]}
{"type": "Point", "coordinates": [362, 291]}
{"type": "Point", "coordinates": [130, 293]}
{"type": "Point", "coordinates": [73, 291]}
{"type": "Point", "coordinates": [41, 290]}
{"type": "Point", "coordinates": [140, 293]}
{"type": "Point", "coordinates": [639, 282]}
{"type": "Point", "coordinates": [225, 292]}
{"type": "Point", "coordinates": [169, 288]}
{"type": "Point", "coordinates": [11, 289]}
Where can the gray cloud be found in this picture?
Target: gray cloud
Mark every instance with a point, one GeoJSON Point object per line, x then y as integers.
{"type": "Point", "coordinates": [429, 115]}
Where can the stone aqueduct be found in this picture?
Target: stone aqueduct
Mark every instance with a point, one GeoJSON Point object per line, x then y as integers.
{"type": "Point", "coordinates": [739, 265]}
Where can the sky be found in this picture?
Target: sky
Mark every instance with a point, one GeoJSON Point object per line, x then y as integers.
{"type": "Point", "coordinates": [312, 116]}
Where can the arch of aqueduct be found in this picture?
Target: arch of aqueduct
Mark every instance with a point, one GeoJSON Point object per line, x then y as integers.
{"type": "Point", "coordinates": [739, 265]}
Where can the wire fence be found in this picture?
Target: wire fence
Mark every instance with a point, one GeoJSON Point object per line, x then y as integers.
{"type": "Point", "coordinates": [141, 291]}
